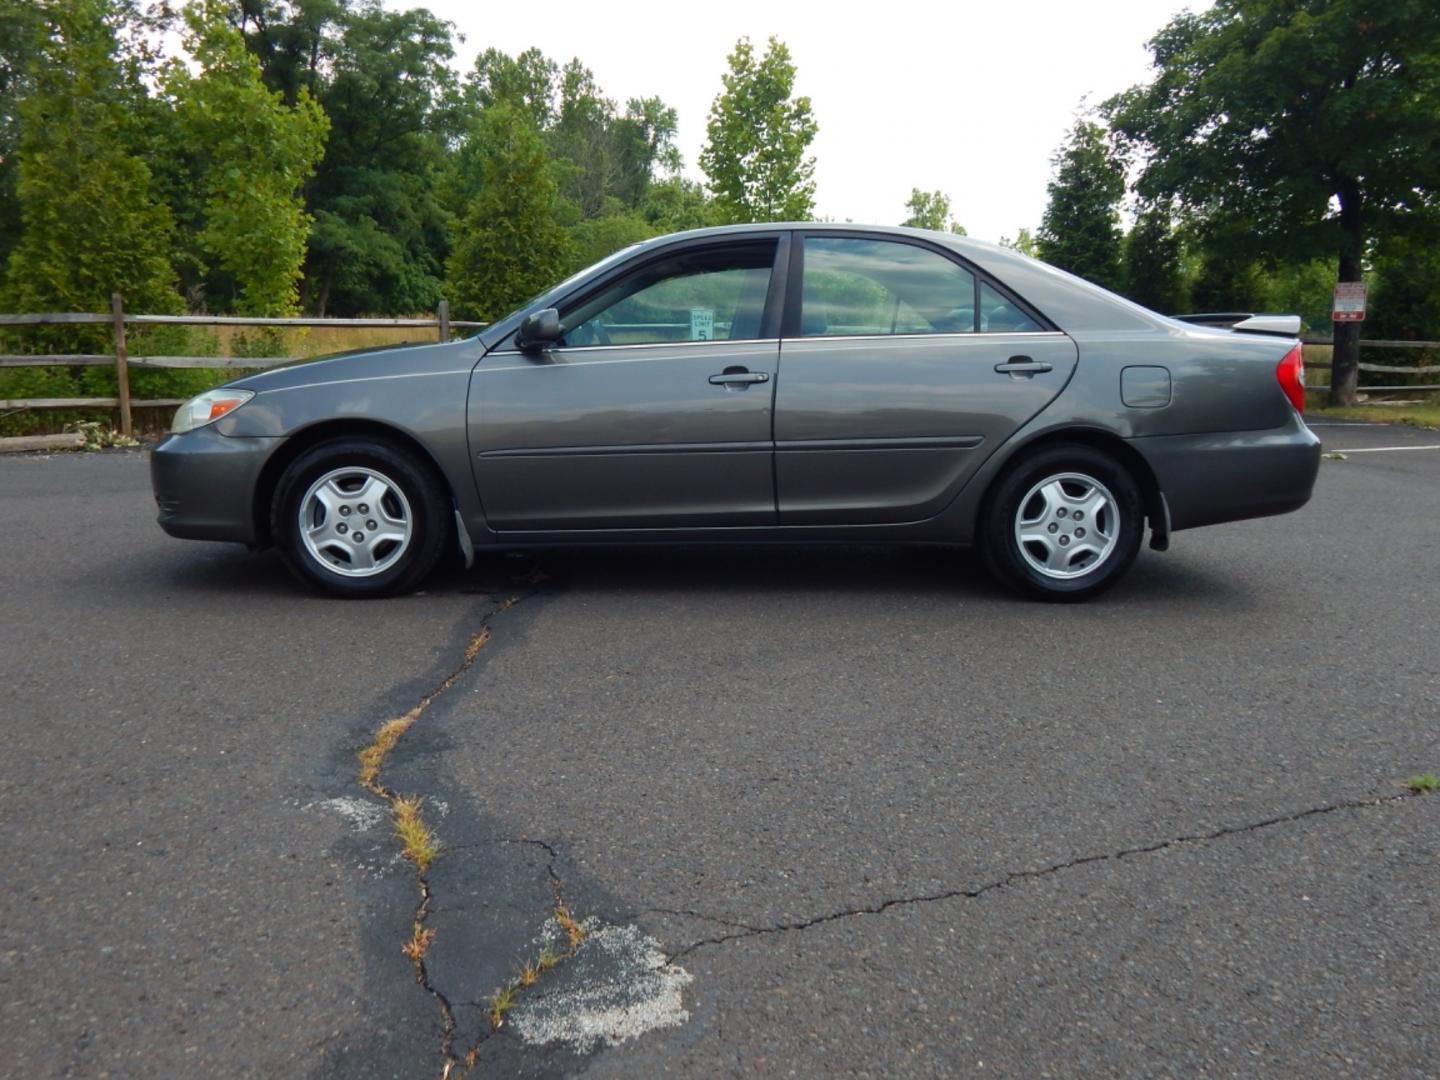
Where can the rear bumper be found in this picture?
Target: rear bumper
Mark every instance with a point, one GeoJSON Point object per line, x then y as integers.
{"type": "Point", "coordinates": [1231, 475]}
{"type": "Point", "coordinates": [205, 484]}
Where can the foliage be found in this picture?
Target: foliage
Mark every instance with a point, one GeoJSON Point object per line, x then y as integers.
{"type": "Point", "coordinates": [1154, 271]}
{"type": "Point", "coordinates": [100, 436]}
{"type": "Point", "coordinates": [1080, 231]}
{"type": "Point", "coordinates": [1023, 242]}
{"type": "Point", "coordinates": [1404, 302]}
{"type": "Point", "coordinates": [21, 28]}
{"type": "Point", "coordinates": [381, 229]}
{"type": "Point", "coordinates": [758, 134]}
{"type": "Point", "coordinates": [90, 223]}
{"type": "Point", "coordinates": [1423, 784]}
{"type": "Point", "coordinates": [1305, 128]}
{"type": "Point", "coordinates": [931, 210]}
{"type": "Point", "coordinates": [511, 245]}
{"type": "Point", "coordinates": [595, 238]}
{"type": "Point", "coordinates": [294, 40]}
{"type": "Point", "coordinates": [254, 222]}
{"type": "Point", "coordinates": [675, 204]}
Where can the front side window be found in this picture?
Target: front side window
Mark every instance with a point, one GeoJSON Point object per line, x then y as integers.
{"type": "Point", "coordinates": [855, 286]}
{"type": "Point", "coordinates": [714, 294]}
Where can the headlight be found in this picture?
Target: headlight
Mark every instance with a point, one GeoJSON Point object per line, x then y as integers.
{"type": "Point", "coordinates": [209, 407]}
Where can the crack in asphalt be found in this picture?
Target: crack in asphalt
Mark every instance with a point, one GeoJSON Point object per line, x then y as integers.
{"type": "Point", "coordinates": [1018, 876]}
{"type": "Point", "coordinates": [370, 780]}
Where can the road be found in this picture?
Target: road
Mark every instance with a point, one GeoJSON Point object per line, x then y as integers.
{"type": "Point", "coordinates": [819, 810]}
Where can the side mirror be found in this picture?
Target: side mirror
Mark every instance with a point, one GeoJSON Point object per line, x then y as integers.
{"type": "Point", "coordinates": [538, 329]}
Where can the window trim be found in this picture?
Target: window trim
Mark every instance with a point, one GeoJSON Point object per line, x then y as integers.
{"type": "Point", "coordinates": [769, 319]}
{"type": "Point", "coordinates": [790, 323]}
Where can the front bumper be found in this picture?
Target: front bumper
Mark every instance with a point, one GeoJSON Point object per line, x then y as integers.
{"type": "Point", "coordinates": [205, 484]}
{"type": "Point", "coordinates": [1232, 475]}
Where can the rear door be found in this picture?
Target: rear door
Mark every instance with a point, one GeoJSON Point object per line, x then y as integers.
{"type": "Point", "coordinates": [901, 369]}
{"type": "Point", "coordinates": [654, 409]}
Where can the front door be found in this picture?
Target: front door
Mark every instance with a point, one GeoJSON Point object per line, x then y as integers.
{"type": "Point", "coordinates": [652, 411]}
{"type": "Point", "coordinates": [899, 375]}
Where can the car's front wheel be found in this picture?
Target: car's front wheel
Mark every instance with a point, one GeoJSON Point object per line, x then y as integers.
{"type": "Point", "coordinates": [360, 518]}
{"type": "Point", "coordinates": [1063, 523]}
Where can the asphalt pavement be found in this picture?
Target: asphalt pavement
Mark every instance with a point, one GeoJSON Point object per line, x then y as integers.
{"type": "Point", "coordinates": [818, 810]}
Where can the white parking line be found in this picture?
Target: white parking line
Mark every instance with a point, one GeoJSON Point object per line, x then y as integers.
{"type": "Point", "coordinates": [1378, 449]}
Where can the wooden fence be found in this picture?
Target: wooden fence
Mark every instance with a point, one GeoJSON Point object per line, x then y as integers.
{"type": "Point", "coordinates": [1381, 369]}
{"type": "Point", "coordinates": [118, 320]}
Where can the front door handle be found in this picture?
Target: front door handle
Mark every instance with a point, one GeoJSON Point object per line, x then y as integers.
{"type": "Point", "coordinates": [738, 376]}
{"type": "Point", "coordinates": [1023, 365]}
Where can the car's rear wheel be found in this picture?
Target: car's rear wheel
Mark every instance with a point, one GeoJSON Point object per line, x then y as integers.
{"type": "Point", "coordinates": [360, 518]}
{"type": "Point", "coordinates": [1063, 523]}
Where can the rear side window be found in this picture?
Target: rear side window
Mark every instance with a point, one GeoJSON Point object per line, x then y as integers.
{"type": "Point", "coordinates": [716, 294]}
{"type": "Point", "coordinates": [855, 286]}
{"type": "Point", "coordinates": [999, 314]}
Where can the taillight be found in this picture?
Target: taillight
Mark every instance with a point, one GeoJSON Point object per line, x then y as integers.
{"type": "Point", "coordinates": [1291, 374]}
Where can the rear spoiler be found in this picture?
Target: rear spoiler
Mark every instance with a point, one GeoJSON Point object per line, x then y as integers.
{"type": "Point", "coordinates": [1247, 322]}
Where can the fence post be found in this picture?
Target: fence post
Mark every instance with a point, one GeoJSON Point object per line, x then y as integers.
{"type": "Point", "coordinates": [442, 315]}
{"type": "Point", "coordinates": [122, 362]}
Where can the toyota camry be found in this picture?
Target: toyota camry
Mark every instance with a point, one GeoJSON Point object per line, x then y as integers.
{"type": "Point", "coordinates": [762, 383]}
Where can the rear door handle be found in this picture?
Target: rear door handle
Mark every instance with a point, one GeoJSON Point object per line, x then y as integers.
{"type": "Point", "coordinates": [1023, 365]}
{"type": "Point", "coordinates": [738, 377]}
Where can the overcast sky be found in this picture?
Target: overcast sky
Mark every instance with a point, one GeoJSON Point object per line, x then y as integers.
{"type": "Point", "coordinates": [971, 98]}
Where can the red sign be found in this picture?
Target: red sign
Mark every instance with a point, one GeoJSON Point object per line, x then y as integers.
{"type": "Point", "coordinates": [1349, 303]}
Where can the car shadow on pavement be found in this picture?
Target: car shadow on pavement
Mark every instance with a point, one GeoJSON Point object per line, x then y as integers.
{"type": "Point", "coordinates": [779, 568]}
{"type": "Point", "coordinates": [835, 569]}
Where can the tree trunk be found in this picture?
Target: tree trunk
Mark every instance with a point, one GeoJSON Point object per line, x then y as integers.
{"type": "Point", "coordinates": [1345, 358]}
{"type": "Point", "coordinates": [323, 300]}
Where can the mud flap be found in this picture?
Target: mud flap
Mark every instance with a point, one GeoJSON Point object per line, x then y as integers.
{"type": "Point", "coordinates": [1160, 525]}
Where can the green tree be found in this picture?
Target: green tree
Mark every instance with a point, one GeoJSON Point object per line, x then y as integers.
{"type": "Point", "coordinates": [293, 40]}
{"type": "Point", "coordinates": [757, 137]}
{"type": "Point", "coordinates": [644, 144]}
{"type": "Point", "coordinates": [21, 30]}
{"type": "Point", "coordinates": [528, 80]}
{"type": "Point", "coordinates": [675, 204]}
{"type": "Point", "coordinates": [1154, 265]}
{"type": "Point", "coordinates": [255, 225]}
{"type": "Point", "coordinates": [931, 210]}
{"type": "Point", "coordinates": [1311, 123]}
{"type": "Point", "coordinates": [594, 238]}
{"type": "Point", "coordinates": [512, 243]}
{"type": "Point", "coordinates": [90, 224]}
{"type": "Point", "coordinates": [1405, 301]}
{"type": "Point", "coordinates": [1024, 242]}
{"type": "Point", "coordinates": [382, 230]}
{"type": "Point", "coordinates": [1080, 231]}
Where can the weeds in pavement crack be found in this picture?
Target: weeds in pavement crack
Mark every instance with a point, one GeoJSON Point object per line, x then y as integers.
{"type": "Point", "coordinates": [529, 972]}
{"type": "Point", "coordinates": [419, 842]}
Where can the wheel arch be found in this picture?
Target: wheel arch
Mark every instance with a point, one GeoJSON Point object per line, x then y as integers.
{"type": "Point", "coordinates": [316, 434]}
{"type": "Point", "coordinates": [1106, 442]}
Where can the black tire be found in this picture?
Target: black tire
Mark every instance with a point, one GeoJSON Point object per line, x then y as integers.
{"type": "Point", "coordinates": [1092, 573]}
{"type": "Point", "coordinates": [400, 567]}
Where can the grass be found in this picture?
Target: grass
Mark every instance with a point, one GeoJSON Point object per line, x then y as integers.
{"type": "Point", "coordinates": [501, 1002]}
{"type": "Point", "coordinates": [417, 839]}
{"type": "Point", "coordinates": [373, 756]}
{"type": "Point", "coordinates": [419, 943]}
{"type": "Point", "coordinates": [1424, 413]}
{"type": "Point", "coordinates": [1423, 784]}
{"type": "Point", "coordinates": [574, 932]}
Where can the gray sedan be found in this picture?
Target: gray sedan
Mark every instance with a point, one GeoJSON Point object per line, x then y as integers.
{"type": "Point", "coordinates": [761, 383]}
